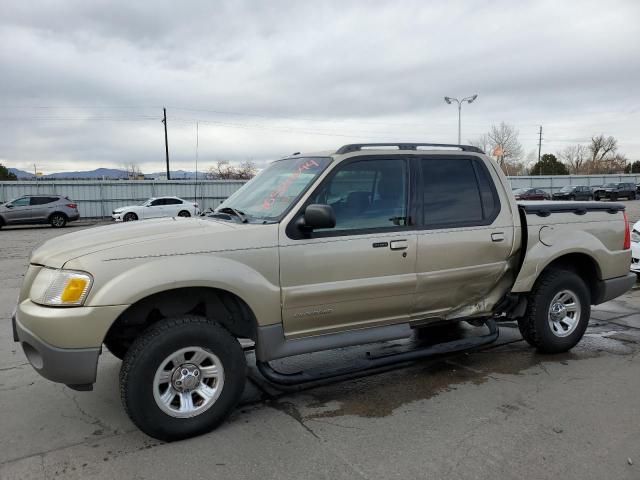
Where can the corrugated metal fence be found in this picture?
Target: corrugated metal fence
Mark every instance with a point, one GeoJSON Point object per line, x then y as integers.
{"type": "Point", "coordinates": [553, 183]}
{"type": "Point", "coordinates": [98, 198]}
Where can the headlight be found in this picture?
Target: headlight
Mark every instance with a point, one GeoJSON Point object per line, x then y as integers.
{"type": "Point", "coordinates": [635, 237]}
{"type": "Point", "coordinates": [60, 287]}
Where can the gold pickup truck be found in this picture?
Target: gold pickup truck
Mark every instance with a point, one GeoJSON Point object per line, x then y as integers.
{"type": "Point", "coordinates": [319, 251]}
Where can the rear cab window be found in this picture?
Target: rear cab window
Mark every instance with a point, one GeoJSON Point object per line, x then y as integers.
{"type": "Point", "coordinates": [457, 192]}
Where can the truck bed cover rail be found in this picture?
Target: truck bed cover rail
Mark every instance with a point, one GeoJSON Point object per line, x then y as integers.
{"type": "Point", "coordinates": [579, 208]}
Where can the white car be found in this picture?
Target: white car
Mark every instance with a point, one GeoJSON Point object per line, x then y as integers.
{"type": "Point", "coordinates": [155, 208]}
{"type": "Point", "coordinates": [635, 248]}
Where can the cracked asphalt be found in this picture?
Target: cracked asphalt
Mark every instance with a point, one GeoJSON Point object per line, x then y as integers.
{"type": "Point", "coordinates": [501, 412]}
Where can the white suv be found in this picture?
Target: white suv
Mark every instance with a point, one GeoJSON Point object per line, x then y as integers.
{"type": "Point", "coordinates": [155, 208]}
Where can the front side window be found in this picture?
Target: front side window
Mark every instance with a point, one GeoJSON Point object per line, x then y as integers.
{"type": "Point", "coordinates": [367, 194]}
{"type": "Point", "coordinates": [20, 202]}
{"type": "Point", "coordinates": [270, 193]}
{"type": "Point", "coordinates": [159, 202]}
{"type": "Point", "coordinates": [457, 193]}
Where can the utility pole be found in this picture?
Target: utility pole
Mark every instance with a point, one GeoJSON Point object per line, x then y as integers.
{"type": "Point", "coordinates": [539, 142]}
{"type": "Point", "coordinates": [166, 142]}
{"type": "Point", "coordinates": [195, 188]}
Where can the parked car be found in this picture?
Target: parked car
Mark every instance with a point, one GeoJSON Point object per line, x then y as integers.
{"type": "Point", "coordinates": [635, 248]}
{"type": "Point", "coordinates": [531, 194]}
{"type": "Point", "coordinates": [319, 252]}
{"type": "Point", "coordinates": [614, 191]}
{"type": "Point", "coordinates": [155, 208]}
{"type": "Point", "coordinates": [56, 210]}
{"type": "Point", "coordinates": [573, 192]}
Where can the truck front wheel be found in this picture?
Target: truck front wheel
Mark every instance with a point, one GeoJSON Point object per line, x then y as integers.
{"type": "Point", "coordinates": [557, 313]}
{"type": "Point", "coordinates": [182, 377]}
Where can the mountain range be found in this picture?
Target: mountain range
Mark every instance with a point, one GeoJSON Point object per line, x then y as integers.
{"type": "Point", "coordinates": [99, 173]}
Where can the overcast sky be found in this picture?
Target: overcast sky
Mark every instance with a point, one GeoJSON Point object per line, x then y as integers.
{"type": "Point", "coordinates": [82, 84]}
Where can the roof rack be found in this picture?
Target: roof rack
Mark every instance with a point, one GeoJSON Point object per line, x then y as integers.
{"type": "Point", "coordinates": [355, 147]}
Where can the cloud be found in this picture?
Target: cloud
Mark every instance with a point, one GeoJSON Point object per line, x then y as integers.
{"type": "Point", "coordinates": [83, 83]}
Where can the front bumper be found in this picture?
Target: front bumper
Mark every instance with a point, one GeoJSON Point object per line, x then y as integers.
{"type": "Point", "coordinates": [614, 287]}
{"type": "Point", "coordinates": [75, 367]}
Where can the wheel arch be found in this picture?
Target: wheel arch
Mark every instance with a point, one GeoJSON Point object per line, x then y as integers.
{"type": "Point", "coordinates": [57, 212]}
{"type": "Point", "coordinates": [215, 304]}
{"type": "Point", "coordinates": [582, 264]}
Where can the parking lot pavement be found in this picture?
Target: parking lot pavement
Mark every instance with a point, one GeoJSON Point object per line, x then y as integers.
{"type": "Point", "coordinates": [502, 412]}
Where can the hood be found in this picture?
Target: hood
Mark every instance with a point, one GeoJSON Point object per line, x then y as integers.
{"type": "Point", "coordinates": [58, 251]}
{"type": "Point", "coordinates": [121, 209]}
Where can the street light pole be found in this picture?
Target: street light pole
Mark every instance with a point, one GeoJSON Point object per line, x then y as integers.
{"type": "Point", "coordinates": [450, 100]}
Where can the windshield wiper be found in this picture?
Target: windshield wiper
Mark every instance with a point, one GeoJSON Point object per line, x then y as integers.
{"type": "Point", "coordinates": [238, 213]}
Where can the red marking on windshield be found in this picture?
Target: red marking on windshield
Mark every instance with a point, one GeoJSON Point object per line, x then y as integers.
{"type": "Point", "coordinates": [286, 184]}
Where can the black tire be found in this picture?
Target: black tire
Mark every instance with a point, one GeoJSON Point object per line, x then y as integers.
{"type": "Point", "coordinates": [130, 217]}
{"type": "Point", "coordinates": [58, 220]}
{"type": "Point", "coordinates": [632, 196]}
{"type": "Point", "coordinates": [184, 213]}
{"type": "Point", "coordinates": [614, 197]}
{"type": "Point", "coordinates": [589, 198]}
{"type": "Point", "coordinates": [149, 351]}
{"type": "Point", "coordinates": [535, 324]}
{"type": "Point", "coordinates": [572, 197]}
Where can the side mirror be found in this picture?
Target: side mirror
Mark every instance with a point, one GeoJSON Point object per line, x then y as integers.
{"type": "Point", "coordinates": [8, 205]}
{"type": "Point", "coordinates": [319, 216]}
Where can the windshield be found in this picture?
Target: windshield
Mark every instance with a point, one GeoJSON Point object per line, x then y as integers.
{"type": "Point", "coordinates": [520, 191]}
{"type": "Point", "coordinates": [567, 189]}
{"type": "Point", "coordinates": [268, 195]}
{"type": "Point", "coordinates": [610, 185]}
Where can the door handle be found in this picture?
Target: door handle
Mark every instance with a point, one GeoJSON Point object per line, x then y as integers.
{"type": "Point", "coordinates": [497, 237]}
{"type": "Point", "coordinates": [399, 245]}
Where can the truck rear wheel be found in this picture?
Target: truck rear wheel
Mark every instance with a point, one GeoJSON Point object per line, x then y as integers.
{"type": "Point", "coordinates": [182, 377]}
{"type": "Point", "coordinates": [557, 313]}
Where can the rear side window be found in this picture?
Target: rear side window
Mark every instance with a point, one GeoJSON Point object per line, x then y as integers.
{"type": "Point", "coordinates": [173, 201]}
{"type": "Point", "coordinates": [457, 192]}
{"type": "Point", "coordinates": [43, 200]}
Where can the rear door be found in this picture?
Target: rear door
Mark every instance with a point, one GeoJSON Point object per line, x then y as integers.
{"type": "Point", "coordinates": [465, 235]}
{"type": "Point", "coordinates": [42, 207]}
{"type": "Point", "coordinates": [173, 207]}
{"type": "Point", "coordinates": [362, 272]}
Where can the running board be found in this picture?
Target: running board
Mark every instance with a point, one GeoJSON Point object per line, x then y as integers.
{"type": "Point", "coordinates": [373, 363]}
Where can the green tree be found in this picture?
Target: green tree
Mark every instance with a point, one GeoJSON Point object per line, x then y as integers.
{"type": "Point", "coordinates": [549, 165]}
{"type": "Point", "coordinates": [632, 167]}
{"type": "Point", "coordinates": [5, 174]}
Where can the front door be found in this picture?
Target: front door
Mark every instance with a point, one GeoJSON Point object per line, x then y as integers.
{"type": "Point", "coordinates": [155, 209]}
{"type": "Point", "coordinates": [18, 211]}
{"type": "Point", "coordinates": [466, 235]}
{"type": "Point", "coordinates": [362, 272]}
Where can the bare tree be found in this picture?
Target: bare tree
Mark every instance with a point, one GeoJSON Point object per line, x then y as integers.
{"type": "Point", "coordinates": [604, 156]}
{"type": "Point", "coordinates": [505, 146]}
{"type": "Point", "coordinates": [224, 170]}
{"type": "Point", "coordinates": [246, 170]}
{"type": "Point", "coordinates": [482, 142]}
{"type": "Point", "coordinates": [602, 147]}
{"type": "Point", "coordinates": [132, 170]}
{"type": "Point", "coordinates": [576, 157]}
